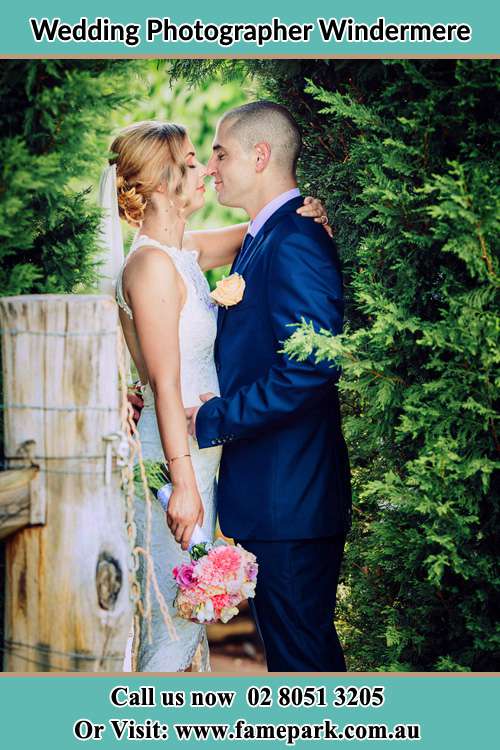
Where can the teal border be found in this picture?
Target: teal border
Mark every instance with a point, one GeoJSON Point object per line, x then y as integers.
{"type": "Point", "coordinates": [456, 712]}
{"type": "Point", "coordinates": [16, 38]}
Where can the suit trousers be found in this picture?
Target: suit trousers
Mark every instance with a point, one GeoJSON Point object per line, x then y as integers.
{"type": "Point", "coordinates": [295, 602]}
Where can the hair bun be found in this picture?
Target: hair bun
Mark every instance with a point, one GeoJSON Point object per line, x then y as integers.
{"type": "Point", "coordinates": [131, 204]}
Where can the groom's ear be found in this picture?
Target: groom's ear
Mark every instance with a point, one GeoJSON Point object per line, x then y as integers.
{"type": "Point", "coordinates": [262, 155]}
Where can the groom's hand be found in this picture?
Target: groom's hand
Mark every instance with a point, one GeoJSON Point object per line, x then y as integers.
{"type": "Point", "coordinates": [204, 397]}
{"type": "Point", "coordinates": [192, 412]}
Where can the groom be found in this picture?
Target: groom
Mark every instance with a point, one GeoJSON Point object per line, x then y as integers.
{"type": "Point", "coordinates": [284, 483]}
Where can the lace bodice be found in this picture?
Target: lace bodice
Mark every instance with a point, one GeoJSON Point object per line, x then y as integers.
{"type": "Point", "coordinates": [197, 324]}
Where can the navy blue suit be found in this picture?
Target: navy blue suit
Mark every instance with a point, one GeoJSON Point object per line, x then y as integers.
{"type": "Point", "coordinates": [284, 482]}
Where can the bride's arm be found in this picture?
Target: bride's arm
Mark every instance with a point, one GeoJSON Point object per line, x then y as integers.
{"type": "Point", "coordinates": [217, 247]}
{"type": "Point", "coordinates": [155, 293]}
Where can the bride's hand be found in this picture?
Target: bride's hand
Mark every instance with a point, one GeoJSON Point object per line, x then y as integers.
{"type": "Point", "coordinates": [314, 209]}
{"type": "Point", "coordinates": [185, 510]}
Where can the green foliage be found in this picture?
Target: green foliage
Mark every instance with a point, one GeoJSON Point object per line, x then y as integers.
{"type": "Point", "coordinates": [405, 155]}
{"type": "Point", "coordinates": [157, 476]}
{"type": "Point", "coordinates": [54, 124]}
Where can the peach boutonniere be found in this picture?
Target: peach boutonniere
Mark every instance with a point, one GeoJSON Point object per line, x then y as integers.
{"type": "Point", "coordinates": [229, 291]}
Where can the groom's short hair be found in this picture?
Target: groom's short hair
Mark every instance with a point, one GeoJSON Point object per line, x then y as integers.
{"type": "Point", "coordinates": [265, 121]}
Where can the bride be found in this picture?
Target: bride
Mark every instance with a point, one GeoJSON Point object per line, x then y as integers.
{"type": "Point", "coordinates": [169, 323]}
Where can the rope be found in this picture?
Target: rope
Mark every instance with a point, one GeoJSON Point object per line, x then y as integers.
{"type": "Point", "coordinates": [142, 601]}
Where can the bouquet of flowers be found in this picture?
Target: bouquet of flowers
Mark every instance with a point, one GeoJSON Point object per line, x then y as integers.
{"type": "Point", "coordinates": [219, 575]}
{"type": "Point", "coordinates": [218, 578]}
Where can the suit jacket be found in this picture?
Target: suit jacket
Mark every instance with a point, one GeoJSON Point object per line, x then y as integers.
{"type": "Point", "coordinates": [284, 472]}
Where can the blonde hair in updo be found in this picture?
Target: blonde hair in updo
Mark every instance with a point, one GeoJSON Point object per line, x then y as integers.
{"type": "Point", "coordinates": [147, 154]}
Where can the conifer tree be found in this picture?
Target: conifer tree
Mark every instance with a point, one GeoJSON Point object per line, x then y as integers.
{"type": "Point", "coordinates": [54, 132]}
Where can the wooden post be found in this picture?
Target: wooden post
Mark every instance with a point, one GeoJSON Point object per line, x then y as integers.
{"type": "Point", "coordinates": [67, 602]}
{"type": "Point", "coordinates": [18, 492]}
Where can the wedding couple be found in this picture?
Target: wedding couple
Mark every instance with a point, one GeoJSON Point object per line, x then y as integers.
{"type": "Point", "coordinates": [220, 396]}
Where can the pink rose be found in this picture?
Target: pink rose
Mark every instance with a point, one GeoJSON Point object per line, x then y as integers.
{"type": "Point", "coordinates": [184, 575]}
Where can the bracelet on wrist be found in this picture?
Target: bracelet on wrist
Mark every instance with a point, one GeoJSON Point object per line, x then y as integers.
{"type": "Point", "coordinates": [176, 458]}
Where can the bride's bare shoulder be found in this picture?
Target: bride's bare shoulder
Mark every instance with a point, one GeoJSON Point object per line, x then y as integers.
{"type": "Point", "coordinates": [149, 260]}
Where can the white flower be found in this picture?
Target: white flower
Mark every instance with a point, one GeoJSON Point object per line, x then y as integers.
{"type": "Point", "coordinates": [248, 590]}
{"type": "Point", "coordinates": [206, 612]}
{"type": "Point", "coordinates": [227, 613]}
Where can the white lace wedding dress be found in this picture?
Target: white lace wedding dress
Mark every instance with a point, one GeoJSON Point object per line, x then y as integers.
{"type": "Point", "coordinates": [197, 330]}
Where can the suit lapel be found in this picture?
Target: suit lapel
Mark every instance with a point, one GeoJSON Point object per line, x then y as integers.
{"type": "Point", "coordinates": [221, 315]}
{"type": "Point", "coordinates": [243, 260]}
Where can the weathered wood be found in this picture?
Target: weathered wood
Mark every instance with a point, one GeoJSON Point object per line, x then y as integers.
{"type": "Point", "coordinates": [67, 590]}
{"type": "Point", "coordinates": [17, 490]}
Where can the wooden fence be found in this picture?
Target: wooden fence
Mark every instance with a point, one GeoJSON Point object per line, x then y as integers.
{"type": "Point", "coordinates": [62, 512]}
